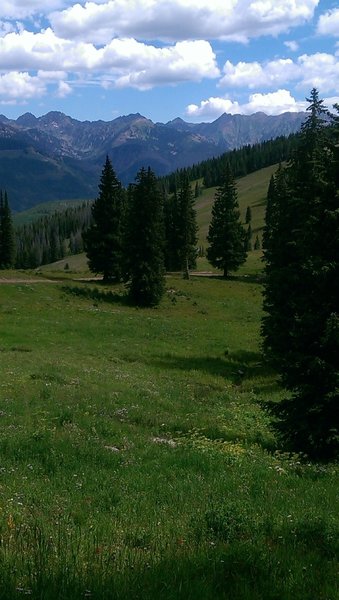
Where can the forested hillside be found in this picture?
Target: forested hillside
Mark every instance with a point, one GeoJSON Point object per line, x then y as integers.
{"type": "Point", "coordinates": [55, 236]}
{"type": "Point", "coordinates": [51, 237]}
{"type": "Point", "coordinates": [242, 161]}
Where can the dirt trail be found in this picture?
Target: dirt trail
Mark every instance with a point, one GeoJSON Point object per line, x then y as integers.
{"type": "Point", "coordinates": [18, 280]}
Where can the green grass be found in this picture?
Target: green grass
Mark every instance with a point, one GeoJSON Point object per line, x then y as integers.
{"type": "Point", "coordinates": [252, 191]}
{"type": "Point", "coordinates": [136, 458]}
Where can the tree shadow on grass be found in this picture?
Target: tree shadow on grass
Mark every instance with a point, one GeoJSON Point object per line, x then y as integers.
{"type": "Point", "coordinates": [259, 278]}
{"type": "Point", "coordinates": [96, 294]}
{"type": "Point", "coordinates": [234, 366]}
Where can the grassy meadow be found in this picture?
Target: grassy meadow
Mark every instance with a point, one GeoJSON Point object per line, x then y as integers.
{"type": "Point", "coordinates": [136, 457]}
{"type": "Point", "coordinates": [136, 460]}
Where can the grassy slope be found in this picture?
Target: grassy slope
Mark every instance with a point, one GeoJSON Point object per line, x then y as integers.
{"type": "Point", "coordinates": [252, 191]}
{"type": "Point", "coordinates": [136, 461]}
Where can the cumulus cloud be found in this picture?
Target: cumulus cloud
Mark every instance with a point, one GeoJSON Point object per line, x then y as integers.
{"type": "Point", "coordinates": [148, 43]}
{"type": "Point", "coordinates": [319, 70]}
{"type": "Point", "coordinates": [273, 103]}
{"type": "Point", "coordinates": [16, 85]}
{"type": "Point", "coordinates": [64, 89]}
{"type": "Point", "coordinates": [126, 62]}
{"type": "Point", "coordinates": [20, 9]}
{"type": "Point", "coordinates": [187, 60]}
{"type": "Point", "coordinates": [175, 20]}
{"type": "Point", "coordinates": [253, 75]}
{"type": "Point", "coordinates": [212, 108]}
{"type": "Point", "coordinates": [328, 23]}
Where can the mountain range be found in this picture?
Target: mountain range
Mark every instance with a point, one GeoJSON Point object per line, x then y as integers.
{"type": "Point", "coordinates": [56, 157]}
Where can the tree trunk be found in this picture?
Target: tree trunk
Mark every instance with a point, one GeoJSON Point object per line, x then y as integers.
{"type": "Point", "coordinates": [186, 273]}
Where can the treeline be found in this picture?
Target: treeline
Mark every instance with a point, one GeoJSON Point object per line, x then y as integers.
{"type": "Point", "coordinates": [55, 236]}
{"type": "Point", "coordinates": [243, 161]}
{"type": "Point", "coordinates": [52, 237]}
{"type": "Point", "coordinates": [139, 233]}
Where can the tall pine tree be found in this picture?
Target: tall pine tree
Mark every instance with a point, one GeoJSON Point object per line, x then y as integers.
{"type": "Point", "coordinates": [226, 235]}
{"type": "Point", "coordinates": [301, 293]}
{"type": "Point", "coordinates": [145, 241]}
{"type": "Point", "coordinates": [103, 240]}
{"type": "Point", "coordinates": [186, 226]}
{"type": "Point", "coordinates": [7, 240]}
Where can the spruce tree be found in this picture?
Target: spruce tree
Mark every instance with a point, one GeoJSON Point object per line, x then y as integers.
{"type": "Point", "coordinates": [186, 227]}
{"type": "Point", "coordinates": [226, 235]}
{"type": "Point", "coordinates": [172, 232]}
{"type": "Point", "coordinates": [248, 239]}
{"type": "Point", "coordinates": [7, 240]}
{"type": "Point", "coordinates": [248, 217]}
{"type": "Point", "coordinates": [103, 240]}
{"type": "Point", "coordinates": [145, 241]}
{"type": "Point", "coordinates": [301, 294]}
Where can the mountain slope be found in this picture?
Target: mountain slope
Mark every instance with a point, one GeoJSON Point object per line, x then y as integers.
{"type": "Point", "coordinates": [55, 157]}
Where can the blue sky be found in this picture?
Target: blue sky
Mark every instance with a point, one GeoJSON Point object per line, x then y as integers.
{"type": "Point", "coordinates": [195, 59]}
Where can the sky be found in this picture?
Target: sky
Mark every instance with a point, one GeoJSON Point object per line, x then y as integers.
{"type": "Point", "coordinates": [194, 59]}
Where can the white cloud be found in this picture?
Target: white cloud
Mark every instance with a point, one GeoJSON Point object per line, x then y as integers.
{"type": "Point", "coordinates": [20, 9]}
{"type": "Point", "coordinates": [114, 43]}
{"type": "Point", "coordinates": [328, 23]}
{"type": "Point", "coordinates": [186, 61]}
{"type": "Point", "coordinates": [6, 27]}
{"type": "Point", "coordinates": [121, 63]}
{"type": "Point", "coordinates": [125, 57]}
{"type": "Point", "coordinates": [212, 108]}
{"type": "Point", "coordinates": [329, 102]}
{"type": "Point", "coordinates": [254, 75]}
{"type": "Point", "coordinates": [18, 86]}
{"type": "Point", "coordinates": [274, 103]}
{"type": "Point", "coordinates": [173, 20]}
{"type": "Point", "coordinates": [64, 89]}
{"type": "Point", "coordinates": [292, 45]}
{"type": "Point", "coordinates": [319, 70]}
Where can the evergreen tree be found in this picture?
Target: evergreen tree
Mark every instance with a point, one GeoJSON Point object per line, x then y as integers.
{"type": "Point", "coordinates": [145, 241]}
{"type": "Point", "coordinates": [7, 240]}
{"type": "Point", "coordinates": [172, 233]}
{"type": "Point", "coordinates": [226, 234]}
{"type": "Point", "coordinates": [248, 217]}
{"type": "Point", "coordinates": [103, 240]}
{"type": "Point", "coordinates": [257, 243]}
{"type": "Point", "coordinates": [186, 227]}
{"type": "Point", "coordinates": [302, 288]}
{"type": "Point", "coordinates": [248, 239]}
{"type": "Point", "coordinates": [197, 190]}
